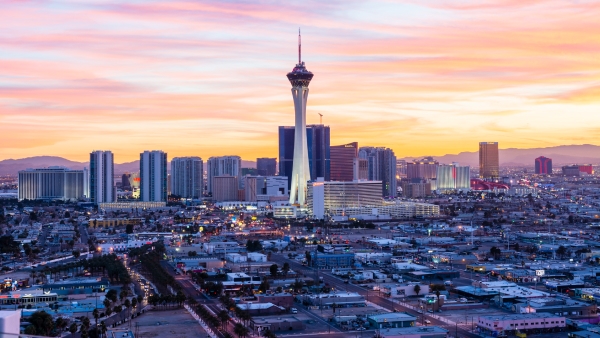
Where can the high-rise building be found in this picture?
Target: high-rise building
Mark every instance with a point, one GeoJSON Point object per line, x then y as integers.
{"type": "Point", "coordinates": [225, 188]}
{"type": "Point", "coordinates": [422, 169]}
{"type": "Point", "coordinates": [319, 151]}
{"type": "Point", "coordinates": [342, 161]}
{"type": "Point", "coordinates": [300, 78]}
{"type": "Point", "coordinates": [543, 166]}
{"type": "Point", "coordinates": [489, 160]}
{"type": "Point", "coordinates": [334, 196]}
{"type": "Point", "coordinates": [266, 166]}
{"type": "Point", "coordinates": [125, 185]}
{"type": "Point", "coordinates": [265, 188]}
{"type": "Point", "coordinates": [186, 177]}
{"type": "Point", "coordinates": [453, 178]}
{"type": "Point", "coordinates": [52, 183]}
{"type": "Point", "coordinates": [360, 169]}
{"type": "Point", "coordinates": [102, 187]}
{"type": "Point", "coordinates": [381, 167]}
{"type": "Point", "coordinates": [401, 169]}
{"type": "Point", "coordinates": [221, 166]}
{"type": "Point", "coordinates": [153, 176]}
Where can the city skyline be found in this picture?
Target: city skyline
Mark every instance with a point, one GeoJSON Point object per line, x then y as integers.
{"type": "Point", "coordinates": [427, 78]}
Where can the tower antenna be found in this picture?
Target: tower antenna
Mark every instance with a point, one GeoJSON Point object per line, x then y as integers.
{"type": "Point", "coordinates": [299, 47]}
{"type": "Point", "coordinates": [320, 118]}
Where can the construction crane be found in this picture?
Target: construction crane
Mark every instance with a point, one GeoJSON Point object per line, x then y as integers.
{"type": "Point", "coordinates": [320, 118]}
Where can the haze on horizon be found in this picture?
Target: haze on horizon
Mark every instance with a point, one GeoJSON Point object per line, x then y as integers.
{"type": "Point", "coordinates": [208, 78]}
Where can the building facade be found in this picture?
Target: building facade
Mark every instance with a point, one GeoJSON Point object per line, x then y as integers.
{"type": "Point", "coordinates": [318, 150]}
{"type": "Point", "coordinates": [266, 166]}
{"type": "Point", "coordinates": [52, 183]}
{"type": "Point", "coordinates": [221, 166]}
{"type": "Point", "coordinates": [153, 176]}
{"type": "Point", "coordinates": [422, 169]}
{"type": "Point", "coordinates": [225, 188]}
{"type": "Point", "coordinates": [453, 178]}
{"type": "Point", "coordinates": [489, 160]}
{"type": "Point", "coordinates": [331, 197]}
{"type": "Point", "coordinates": [381, 167]}
{"type": "Point", "coordinates": [187, 177]}
{"type": "Point", "coordinates": [264, 188]}
{"type": "Point", "coordinates": [342, 161]}
{"type": "Point", "coordinates": [101, 186]}
{"type": "Point", "coordinates": [543, 166]}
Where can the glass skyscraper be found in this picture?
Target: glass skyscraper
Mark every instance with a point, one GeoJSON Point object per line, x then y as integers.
{"type": "Point", "coordinates": [319, 155]}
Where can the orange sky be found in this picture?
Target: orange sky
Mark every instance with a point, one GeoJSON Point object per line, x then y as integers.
{"type": "Point", "coordinates": [208, 78]}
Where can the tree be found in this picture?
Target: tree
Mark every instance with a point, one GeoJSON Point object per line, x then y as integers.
{"type": "Point", "coordinates": [43, 322]}
{"type": "Point", "coordinates": [223, 317]}
{"type": "Point", "coordinates": [561, 251]}
{"type": "Point", "coordinates": [264, 285]}
{"type": "Point", "coordinates": [516, 247]}
{"type": "Point", "coordinates": [96, 315]}
{"type": "Point", "coordinates": [269, 334]}
{"type": "Point", "coordinates": [240, 330]}
{"type": "Point", "coordinates": [417, 289]}
{"type": "Point", "coordinates": [192, 253]}
{"type": "Point", "coordinates": [273, 269]}
{"type": "Point", "coordinates": [76, 253]}
{"type": "Point", "coordinates": [129, 228]}
{"type": "Point", "coordinates": [437, 294]}
{"type": "Point", "coordinates": [308, 258]}
{"type": "Point", "coordinates": [285, 268]}
{"type": "Point", "coordinates": [73, 328]}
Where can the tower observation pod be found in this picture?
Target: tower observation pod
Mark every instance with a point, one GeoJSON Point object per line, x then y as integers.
{"type": "Point", "coordinates": [300, 78]}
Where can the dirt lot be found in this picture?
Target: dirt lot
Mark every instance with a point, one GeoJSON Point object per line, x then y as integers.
{"type": "Point", "coordinates": [172, 324]}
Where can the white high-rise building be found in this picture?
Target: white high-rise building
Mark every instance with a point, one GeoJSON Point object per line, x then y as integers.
{"type": "Point", "coordinates": [101, 188]}
{"type": "Point", "coordinates": [453, 178]}
{"type": "Point", "coordinates": [153, 176]}
{"type": "Point", "coordinates": [300, 78]}
{"type": "Point", "coordinates": [186, 177]}
{"type": "Point", "coordinates": [52, 183]}
{"type": "Point", "coordinates": [222, 166]}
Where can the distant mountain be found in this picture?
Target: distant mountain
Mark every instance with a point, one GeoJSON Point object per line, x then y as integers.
{"type": "Point", "coordinates": [12, 167]}
{"type": "Point", "coordinates": [560, 155]}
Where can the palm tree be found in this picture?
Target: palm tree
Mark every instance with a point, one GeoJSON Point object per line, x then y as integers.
{"type": "Point", "coordinates": [437, 294]}
{"type": "Point", "coordinates": [269, 334]}
{"type": "Point", "coordinates": [224, 317]}
{"type": "Point", "coordinates": [240, 330]}
{"type": "Point", "coordinates": [96, 316]}
{"type": "Point", "coordinates": [103, 329]}
{"type": "Point", "coordinates": [417, 289]}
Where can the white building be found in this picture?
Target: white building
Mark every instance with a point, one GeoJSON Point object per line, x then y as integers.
{"type": "Point", "coordinates": [221, 166]}
{"type": "Point", "coordinates": [187, 177]}
{"type": "Point", "coordinates": [513, 322]}
{"type": "Point", "coordinates": [334, 197]}
{"type": "Point", "coordinates": [102, 187]}
{"type": "Point", "coordinates": [263, 188]}
{"type": "Point", "coordinates": [257, 257]}
{"type": "Point", "coordinates": [9, 323]}
{"type": "Point", "coordinates": [52, 183]}
{"type": "Point", "coordinates": [453, 178]}
{"type": "Point", "coordinates": [153, 176]}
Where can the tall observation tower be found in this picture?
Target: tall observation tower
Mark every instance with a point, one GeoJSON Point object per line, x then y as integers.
{"type": "Point", "coordinates": [300, 78]}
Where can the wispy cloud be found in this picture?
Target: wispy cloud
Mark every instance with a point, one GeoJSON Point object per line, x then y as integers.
{"type": "Point", "coordinates": [208, 77]}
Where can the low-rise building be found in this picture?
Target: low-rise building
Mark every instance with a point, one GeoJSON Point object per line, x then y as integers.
{"type": "Point", "coordinates": [343, 298]}
{"type": "Point", "coordinates": [390, 320]}
{"type": "Point", "coordinates": [416, 332]}
{"type": "Point", "coordinates": [497, 325]}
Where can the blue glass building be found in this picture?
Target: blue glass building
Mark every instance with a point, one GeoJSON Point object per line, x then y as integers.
{"type": "Point", "coordinates": [317, 137]}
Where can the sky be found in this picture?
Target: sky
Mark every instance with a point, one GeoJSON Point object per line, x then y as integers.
{"type": "Point", "coordinates": [207, 78]}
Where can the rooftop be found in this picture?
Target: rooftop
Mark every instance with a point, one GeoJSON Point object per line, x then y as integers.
{"type": "Point", "coordinates": [520, 316]}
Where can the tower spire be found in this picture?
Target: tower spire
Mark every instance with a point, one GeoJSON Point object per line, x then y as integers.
{"type": "Point", "coordinates": [299, 47]}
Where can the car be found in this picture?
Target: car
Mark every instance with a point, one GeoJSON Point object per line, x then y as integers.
{"type": "Point", "coordinates": [346, 281]}
{"type": "Point", "coordinates": [294, 310]}
{"type": "Point", "coordinates": [427, 321]}
{"type": "Point", "coordinates": [360, 328]}
{"type": "Point", "coordinates": [430, 311]}
{"type": "Point", "coordinates": [419, 311]}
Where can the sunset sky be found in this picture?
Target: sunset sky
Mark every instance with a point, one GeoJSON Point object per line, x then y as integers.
{"type": "Point", "coordinates": [207, 78]}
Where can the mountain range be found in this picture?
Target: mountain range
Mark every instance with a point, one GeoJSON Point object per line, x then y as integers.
{"type": "Point", "coordinates": [560, 155]}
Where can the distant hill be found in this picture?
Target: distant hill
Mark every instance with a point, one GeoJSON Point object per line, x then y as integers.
{"type": "Point", "coordinates": [12, 167]}
{"type": "Point", "coordinates": [560, 155]}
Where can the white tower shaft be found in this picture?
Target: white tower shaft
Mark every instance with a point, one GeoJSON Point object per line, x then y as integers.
{"type": "Point", "coordinates": [300, 170]}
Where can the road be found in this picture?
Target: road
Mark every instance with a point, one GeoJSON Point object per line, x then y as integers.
{"type": "Point", "coordinates": [371, 296]}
